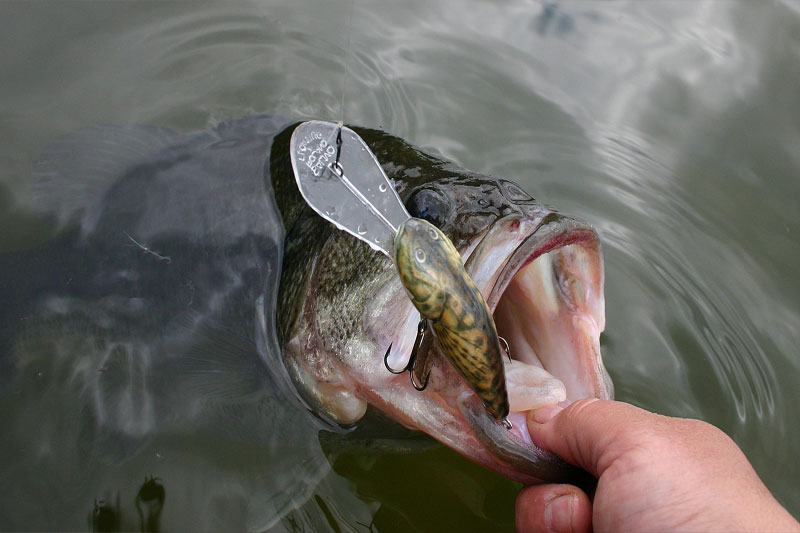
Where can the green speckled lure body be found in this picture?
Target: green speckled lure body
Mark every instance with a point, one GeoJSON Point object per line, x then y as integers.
{"type": "Point", "coordinates": [430, 269]}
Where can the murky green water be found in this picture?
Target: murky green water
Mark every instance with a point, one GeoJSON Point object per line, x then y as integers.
{"type": "Point", "coordinates": [673, 127]}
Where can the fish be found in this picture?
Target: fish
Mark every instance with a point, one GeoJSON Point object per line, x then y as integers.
{"type": "Point", "coordinates": [340, 304]}
{"type": "Point", "coordinates": [181, 284]}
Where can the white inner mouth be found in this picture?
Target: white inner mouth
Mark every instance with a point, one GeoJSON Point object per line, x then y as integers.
{"type": "Point", "coordinates": [551, 316]}
{"type": "Point", "coordinates": [530, 387]}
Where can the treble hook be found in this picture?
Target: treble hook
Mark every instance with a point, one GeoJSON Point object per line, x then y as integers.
{"type": "Point", "coordinates": [414, 383]}
{"type": "Point", "coordinates": [506, 422]}
{"type": "Point", "coordinates": [508, 350]}
{"type": "Point", "coordinates": [386, 362]}
{"type": "Point", "coordinates": [422, 327]}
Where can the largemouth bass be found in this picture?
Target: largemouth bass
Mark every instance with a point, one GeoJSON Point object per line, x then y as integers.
{"type": "Point", "coordinates": [341, 304]}
{"type": "Point", "coordinates": [180, 285]}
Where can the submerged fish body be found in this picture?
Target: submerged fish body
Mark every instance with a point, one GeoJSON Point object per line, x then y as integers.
{"type": "Point", "coordinates": [341, 304]}
{"type": "Point", "coordinates": [151, 305]}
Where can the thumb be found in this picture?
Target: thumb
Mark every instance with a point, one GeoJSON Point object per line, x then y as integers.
{"type": "Point", "coordinates": [588, 433]}
{"type": "Point", "coordinates": [556, 508]}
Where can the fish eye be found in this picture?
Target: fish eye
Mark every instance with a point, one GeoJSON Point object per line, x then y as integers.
{"type": "Point", "coordinates": [419, 253]}
{"type": "Point", "coordinates": [430, 205]}
{"type": "Point", "coordinates": [434, 235]}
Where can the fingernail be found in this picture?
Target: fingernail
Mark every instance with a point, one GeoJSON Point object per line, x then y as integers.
{"type": "Point", "coordinates": [545, 414]}
{"type": "Point", "coordinates": [558, 513]}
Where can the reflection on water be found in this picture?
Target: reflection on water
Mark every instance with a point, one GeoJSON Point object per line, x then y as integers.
{"type": "Point", "coordinates": [671, 126]}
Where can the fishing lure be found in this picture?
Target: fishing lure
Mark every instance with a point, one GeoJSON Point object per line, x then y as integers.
{"type": "Point", "coordinates": [364, 203]}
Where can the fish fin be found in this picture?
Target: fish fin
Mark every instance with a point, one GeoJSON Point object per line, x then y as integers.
{"type": "Point", "coordinates": [213, 362]}
{"type": "Point", "coordinates": [98, 385]}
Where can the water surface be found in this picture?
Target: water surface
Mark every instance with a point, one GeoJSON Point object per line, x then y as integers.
{"type": "Point", "coordinates": [671, 126]}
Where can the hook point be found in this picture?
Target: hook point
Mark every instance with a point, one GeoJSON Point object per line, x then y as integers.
{"type": "Point", "coordinates": [414, 383]}
{"type": "Point", "coordinates": [508, 350]}
{"type": "Point", "coordinates": [386, 361]}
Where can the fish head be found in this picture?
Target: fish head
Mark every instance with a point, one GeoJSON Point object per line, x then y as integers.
{"type": "Point", "coordinates": [342, 305]}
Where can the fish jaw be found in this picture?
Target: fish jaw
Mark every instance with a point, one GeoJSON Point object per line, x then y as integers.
{"type": "Point", "coordinates": [466, 427]}
{"type": "Point", "coordinates": [544, 284]}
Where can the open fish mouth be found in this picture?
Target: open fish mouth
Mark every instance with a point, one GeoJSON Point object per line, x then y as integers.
{"type": "Point", "coordinates": [543, 282]}
{"type": "Point", "coordinates": [547, 300]}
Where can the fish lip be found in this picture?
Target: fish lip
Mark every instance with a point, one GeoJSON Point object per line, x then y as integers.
{"type": "Point", "coordinates": [518, 458]}
{"type": "Point", "coordinates": [550, 232]}
{"type": "Point", "coordinates": [553, 232]}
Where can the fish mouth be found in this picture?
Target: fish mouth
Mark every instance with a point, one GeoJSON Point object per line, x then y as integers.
{"type": "Point", "coordinates": [543, 282]}
{"type": "Point", "coordinates": [547, 301]}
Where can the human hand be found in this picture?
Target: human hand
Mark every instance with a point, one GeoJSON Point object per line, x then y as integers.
{"type": "Point", "coordinates": [655, 473]}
